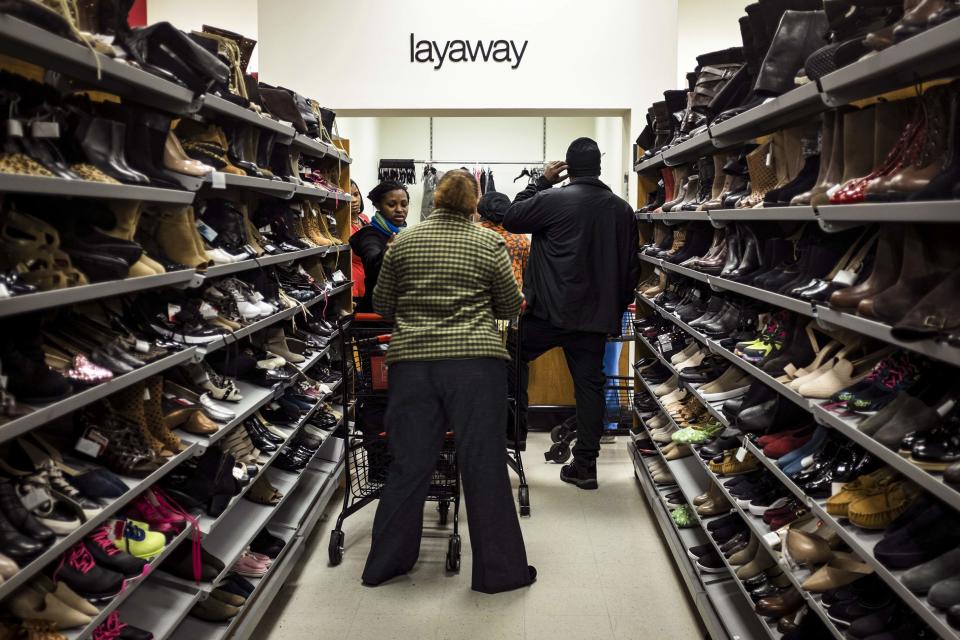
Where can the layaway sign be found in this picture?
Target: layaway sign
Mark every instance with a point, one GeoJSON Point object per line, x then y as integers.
{"type": "Point", "coordinates": [457, 51]}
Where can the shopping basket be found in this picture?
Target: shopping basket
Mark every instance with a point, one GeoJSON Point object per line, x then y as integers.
{"type": "Point", "coordinates": [367, 451]}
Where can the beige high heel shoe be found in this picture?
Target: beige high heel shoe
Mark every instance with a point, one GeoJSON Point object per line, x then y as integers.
{"type": "Point", "coordinates": [176, 159]}
{"type": "Point", "coordinates": [841, 375]}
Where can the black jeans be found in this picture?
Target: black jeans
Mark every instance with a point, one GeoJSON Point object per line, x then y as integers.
{"type": "Point", "coordinates": [470, 396]}
{"type": "Point", "coordinates": [584, 353]}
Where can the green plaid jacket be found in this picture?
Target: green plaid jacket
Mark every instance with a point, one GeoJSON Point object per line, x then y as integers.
{"type": "Point", "coordinates": [444, 283]}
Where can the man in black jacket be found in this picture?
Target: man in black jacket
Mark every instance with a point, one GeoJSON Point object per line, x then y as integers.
{"type": "Point", "coordinates": [581, 276]}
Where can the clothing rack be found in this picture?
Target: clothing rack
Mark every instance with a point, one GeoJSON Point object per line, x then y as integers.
{"type": "Point", "coordinates": [474, 162]}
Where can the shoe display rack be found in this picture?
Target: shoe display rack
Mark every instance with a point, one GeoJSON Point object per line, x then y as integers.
{"type": "Point", "coordinates": [830, 495]}
{"type": "Point", "coordinates": [304, 265]}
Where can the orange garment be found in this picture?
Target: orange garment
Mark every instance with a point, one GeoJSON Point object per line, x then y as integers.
{"type": "Point", "coordinates": [356, 263]}
{"type": "Point", "coordinates": [518, 246]}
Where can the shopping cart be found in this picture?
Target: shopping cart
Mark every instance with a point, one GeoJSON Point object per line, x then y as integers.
{"type": "Point", "coordinates": [510, 332]}
{"type": "Point", "coordinates": [367, 454]}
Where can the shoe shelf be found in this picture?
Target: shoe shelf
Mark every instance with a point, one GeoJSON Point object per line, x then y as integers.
{"type": "Point", "coordinates": [760, 530]}
{"type": "Point", "coordinates": [831, 217]}
{"type": "Point", "coordinates": [73, 295]}
{"type": "Point", "coordinates": [862, 543]}
{"type": "Point", "coordinates": [689, 150]}
{"type": "Point", "coordinates": [322, 482]}
{"type": "Point", "coordinates": [715, 602]}
{"type": "Point", "coordinates": [24, 41]}
{"type": "Point", "coordinates": [12, 183]}
{"type": "Point", "coordinates": [925, 55]}
{"type": "Point", "coordinates": [669, 266]}
{"type": "Point", "coordinates": [160, 609]}
{"type": "Point", "coordinates": [63, 543]}
{"type": "Point", "coordinates": [44, 414]}
{"type": "Point", "coordinates": [756, 524]}
{"type": "Point", "coordinates": [263, 261]}
{"type": "Point", "coordinates": [310, 191]}
{"type": "Point", "coordinates": [773, 114]}
{"type": "Point", "coordinates": [195, 629]}
{"type": "Point", "coordinates": [319, 149]}
{"type": "Point", "coordinates": [934, 51]}
{"type": "Point", "coordinates": [823, 314]}
{"type": "Point", "coordinates": [942, 211]}
{"type": "Point", "coordinates": [653, 164]}
{"type": "Point", "coordinates": [784, 302]}
{"type": "Point", "coordinates": [671, 219]}
{"type": "Point", "coordinates": [209, 524]}
{"type": "Point", "coordinates": [130, 587]}
{"type": "Point", "coordinates": [311, 497]}
{"type": "Point", "coordinates": [215, 105]}
{"type": "Point", "coordinates": [259, 325]}
{"type": "Point", "coordinates": [931, 481]}
{"type": "Point", "coordinates": [276, 188]}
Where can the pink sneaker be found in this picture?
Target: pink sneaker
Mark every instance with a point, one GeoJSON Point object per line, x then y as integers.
{"type": "Point", "coordinates": [249, 567]}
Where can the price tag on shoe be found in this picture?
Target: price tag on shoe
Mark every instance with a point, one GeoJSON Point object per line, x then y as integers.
{"type": "Point", "coordinates": [742, 454]}
{"type": "Point", "coordinates": [35, 498]}
{"type": "Point", "coordinates": [208, 233]}
{"type": "Point", "coordinates": [172, 311]}
{"type": "Point", "coordinates": [772, 538]}
{"type": "Point", "coordinates": [218, 180]}
{"type": "Point", "coordinates": [845, 277]}
{"type": "Point", "coordinates": [45, 129]}
{"type": "Point", "coordinates": [92, 443]}
{"type": "Point", "coordinates": [14, 128]}
{"type": "Point", "coordinates": [338, 277]}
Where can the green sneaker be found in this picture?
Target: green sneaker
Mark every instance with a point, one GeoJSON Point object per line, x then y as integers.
{"type": "Point", "coordinates": [699, 434]}
{"type": "Point", "coordinates": [684, 517]}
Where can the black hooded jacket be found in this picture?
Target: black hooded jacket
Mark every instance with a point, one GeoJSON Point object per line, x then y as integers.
{"type": "Point", "coordinates": [583, 265]}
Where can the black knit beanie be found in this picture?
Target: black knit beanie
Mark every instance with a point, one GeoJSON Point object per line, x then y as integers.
{"type": "Point", "coordinates": [493, 206]}
{"type": "Point", "coordinates": [583, 158]}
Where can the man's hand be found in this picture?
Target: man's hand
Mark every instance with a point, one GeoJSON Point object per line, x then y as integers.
{"type": "Point", "coordinates": [554, 173]}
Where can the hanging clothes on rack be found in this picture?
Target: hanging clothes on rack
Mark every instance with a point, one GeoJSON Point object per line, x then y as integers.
{"type": "Point", "coordinates": [430, 179]}
{"type": "Point", "coordinates": [490, 185]}
{"type": "Point", "coordinates": [402, 171]}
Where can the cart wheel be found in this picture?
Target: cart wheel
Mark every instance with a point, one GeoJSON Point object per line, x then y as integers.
{"type": "Point", "coordinates": [558, 433]}
{"type": "Point", "coordinates": [523, 496]}
{"type": "Point", "coordinates": [453, 554]}
{"type": "Point", "coordinates": [335, 548]}
{"type": "Point", "coordinates": [558, 453]}
{"type": "Point", "coordinates": [444, 509]}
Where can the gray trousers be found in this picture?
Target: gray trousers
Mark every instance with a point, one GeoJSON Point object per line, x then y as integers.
{"type": "Point", "coordinates": [469, 396]}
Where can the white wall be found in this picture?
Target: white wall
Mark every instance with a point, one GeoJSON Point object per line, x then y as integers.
{"type": "Point", "coordinates": [239, 16]}
{"type": "Point", "coordinates": [471, 140]}
{"type": "Point", "coordinates": [705, 25]}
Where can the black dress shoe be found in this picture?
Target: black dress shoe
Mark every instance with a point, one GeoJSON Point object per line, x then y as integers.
{"type": "Point", "coordinates": [20, 518]}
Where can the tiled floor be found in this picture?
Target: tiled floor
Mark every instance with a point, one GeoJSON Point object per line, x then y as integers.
{"type": "Point", "coordinates": [604, 574]}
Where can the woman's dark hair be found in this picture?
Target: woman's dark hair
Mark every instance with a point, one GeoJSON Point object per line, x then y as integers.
{"type": "Point", "coordinates": [354, 184]}
{"type": "Point", "coordinates": [383, 189]}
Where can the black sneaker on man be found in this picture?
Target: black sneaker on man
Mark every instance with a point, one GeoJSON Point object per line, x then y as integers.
{"type": "Point", "coordinates": [580, 475]}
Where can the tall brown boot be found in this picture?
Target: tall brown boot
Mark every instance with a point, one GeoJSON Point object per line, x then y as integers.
{"type": "Point", "coordinates": [153, 413]}
{"type": "Point", "coordinates": [129, 404]}
{"type": "Point", "coordinates": [834, 172]}
{"type": "Point", "coordinates": [929, 257]}
{"type": "Point", "coordinates": [886, 270]}
{"type": "Point", "coordinates": [174, 230]}
{"type": "Point", "coordinates": [826, 151]}
{"type": "Point", "coordinates": [763, 176]}
{"type": "Point", "coordinates": [126, 216]}
{"type": "Point", "coordinates": [858, 141]}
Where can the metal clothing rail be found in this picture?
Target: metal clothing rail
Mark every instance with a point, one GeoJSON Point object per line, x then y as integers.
{"type": "Point", "coordinates": [474, 162]}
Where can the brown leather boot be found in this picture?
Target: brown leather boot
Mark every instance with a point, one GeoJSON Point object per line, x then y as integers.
{"type": "Point", "coordinates": [834, 172]}
{"type": "Point", "coordinates": [926, 158]}
{"type": "Point", "coordinates": [174, 230]}
{"type": "Point", "coordinates": [929, 257]}
{"type": "Point", "coordinates": [826, 153]}
{"type": "Point", "coordinates": [763, 176]}
{"type": "Point", "coordinates": [886, 270]}
{"type": "Point", "coordinates": [915, 20]}
{"type": "Point", "coordinates": [858, 141]}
